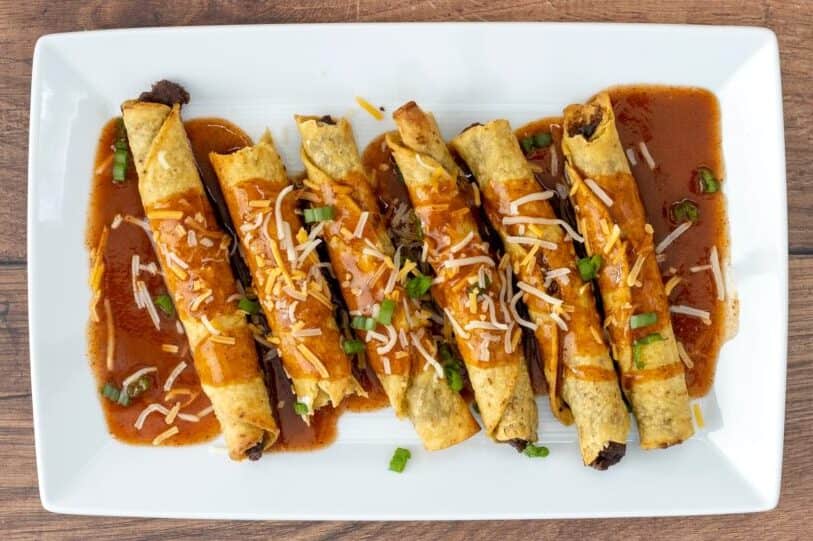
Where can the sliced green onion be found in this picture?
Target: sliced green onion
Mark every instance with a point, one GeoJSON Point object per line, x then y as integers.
{"type": "Point", "coordinates": [110, 392]}
{"type": "Point", "coordinates": [318, 214]}
{"type": "Point", "coordinates": [643, 320]}
{"type": "Point", "coordinates": [454, 379]}
{"type": "Point", "coordinates": [164, 302]}
{"type": "Point", "coordinates": [445, 352]}
{"type": "Point", "coordinates": [385, 311]}
{"type": "Point", "coordinates": [300, 408]}
{"type": "Point", "coordinates": [536, 451]}
{"type": "Point", "coordinates": [139, 386]}
{"type": "Point", "coordinates": [589, 266]}
{"type": "Point", "coordinates": [363, 323]}
{"type": "Point", "coordinates": [640, 343]}
{"type": "Point", "coordinates": [351, 347]}
{"type": "Point", "coordinates": [527, 144]}
{"type": "Point", "coordinates": [248, 306]}
{"type": "Point", "coordinates": [120, 155]}
{"type": "Point", "coordinates": [417, 286]}
{"type": "Point", "coordinates": [708, 184]}
{"type": "Point", "coordinates": [685, 211]}
{"type": "Point", "coordinates": [399, 459]}
{"type": "Point", "coordinates": [542, 140]}
{"type": "Point", "coordinates": [539, 140]}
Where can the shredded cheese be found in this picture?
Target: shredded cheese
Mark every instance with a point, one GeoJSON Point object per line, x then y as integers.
{"type": "Point", "coordinates": [671, 237]}
{"type": "Point", "coordinates": [429, 359]}
{"type": "Point", "coordinates": [165, 214]}
{"type": "Point", "coordinates": [129, 380]}
{"type": "Point", "coordinates": [359, 231]}
{"type": "Point", "coordinates": [163, 436]}
{"type": "Point", "coordinates": [647, 156]}
{"type": "Point", "coordinates": [600, 193]}
{"type": "Point", "coordinates": [691, 312]}
{"type": "Point", "coordinates": [180, 367]}
{"type": "Point", "coordinates": [631, 157]}
{"type": "Point", "coordinates": [531, 242]}
{"type": "Point", "coordinates": [465, 261]}
{"type": "Point", "coordinates": [152, 408]}
{"type": "Point", "coordinates": [632, 277]}
{"type": "Point", "coordinates": [169, 348]}
{"type": "Point", "coordinates": [463, 243]}
{"type": "Point", "coordinates": [208, 324]}
{"type": "Point", "coordinates": [536, 196]}
{"type": "Point", "coordinates": [684, 355]}
{"type": "Point", "coordinates": [313, 359]}
{"type": "Point", "coordinates": [528, 288]}
{"type": "Point", "coordinates": [460, 331]}
{"type": "Point", "coordinates": [370, 108]}
{"type": "Point", "coordinates": [615, 232]}
{"type": "Point", "coordinates": [515, 314]}
{"type": "Point", "coordinates": [671, 284]}
{"type": "Point", "coordinates": [111, 334]}
{"type": "Point", "coordinates": [719, 283]}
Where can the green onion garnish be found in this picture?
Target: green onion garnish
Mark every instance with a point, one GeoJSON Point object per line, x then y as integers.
{"type": "Point", "coordinates": [536, 451]}
{"type": "Point", "coordinates": [385, 311]}
{"type": "Point", "coordinates": [139, 386]}
{"type": "Point", "coordinates": [318, 214]}
{"type": "Point", "coordinates": [589, 266]}
{"type": "Point", "coordinates": [300, 408]}
{"type": "Point", "coordinates": [112, 393]}
{"type": "Point", "coordinates": [120, 155]}
{"type": "Point", "coordinates": [642, 320]}
{"type": "Point", "coordinates": [641, 342]}
{"type": "Point", "coordinates": [708, 184]}
{"type": "Point", "coordinates": [417, 286]}
{"type": "Point", "coordinates": [685, 211]}
{"type": "Point", "coordinates": [539, 140]}
{"type": "Point", "coordinates": [362, 323]}
{"type": "Point", "coordinates": [453, 377]}
{"type": "Point", "coordinates": [399, 459]}
{"type": "Point", "coordinates": [164, 302]}
{"type": "Point", "coordinates": [542, 140]}
{"type": "Point", "coordinates": [248, 306]}
{"type": "Point", "coordinates": [352, 347]}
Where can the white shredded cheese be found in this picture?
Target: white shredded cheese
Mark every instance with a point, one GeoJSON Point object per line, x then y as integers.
{"type": "Point", "coordinates": [536, 196]}
{"type": "Point", "coordinates": [152, 408]}
{"type": "Point", "coordinates": [509, 220]}
{"type": "Point", "coordinates": [631, 157]}
{"type": "Point", "coordinates": [359, 231]}
{"type": "Point", "coordinates": [691, 312]}
{"type": "Point", "coordinates": [600, 193]}
{"type": "Point", "coordinates": [135, 375]}
{"type": "Point", "coordinates": [429, 359]}
{"type": "Point", "coordinates": [523, 322]}
{"type": "Point", "coordinates": [181, 366]}
{"type": "Point", "coordinates": [647, 156]}
{"type": "Point", "coordinates": [278, 210]}
{"type": "Point", "coordinates": [671, 237]}
{"type": "Point", "coordinates": [528, 288]}
{"type": "Point", "coordinates": [719, 283]}
{"type": "Point", "coordinates": [455, 325]}
{"type": "Point", "coordinates": [531, 241]}
{"type": "Point", "coordinates": [462, 244]}
{"type": "Point", "coordinates": [462, 262]}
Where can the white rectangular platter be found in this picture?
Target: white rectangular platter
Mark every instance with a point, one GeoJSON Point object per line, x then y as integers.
{"type": "Point", "coordinates": [259, 76]}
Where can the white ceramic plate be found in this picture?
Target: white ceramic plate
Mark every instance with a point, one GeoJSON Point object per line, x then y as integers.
{"type": "Point", "coordinates": [260, 76]}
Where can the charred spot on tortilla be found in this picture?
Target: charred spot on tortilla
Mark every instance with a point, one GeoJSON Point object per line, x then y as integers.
{"type": "Point", "coordinates": [519, 444]}
{"type": "Point", "coordinates": [327, 119]}
{"type": "Point", "coordinates": [610, 455]}
{"type": "Point", "coordinates": [470, 126]}
{"type": "Point", "coordinates": [256, 452]}
{"type": "Point", "coordinates": [167, 92]}
{"type": "Point", "coordinates": [587, 124]}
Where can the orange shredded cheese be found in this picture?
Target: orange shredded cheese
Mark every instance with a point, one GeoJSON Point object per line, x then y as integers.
{"type": "Point", "coordinates": [370, 108]}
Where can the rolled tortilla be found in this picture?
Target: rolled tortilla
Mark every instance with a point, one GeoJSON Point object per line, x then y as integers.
{"type": "Point", "coordinates": [199, 277]}
{"type": "Point", "coordinates": [402, 354]}
{"type": "Point", "coordinates": [582, 381]}
{"type": "Point", "coordinates": [472, 290]}
{"type": "Point", "coordinates": [613, 221]}
{"type": "Point", "coordinates": [283, 263]}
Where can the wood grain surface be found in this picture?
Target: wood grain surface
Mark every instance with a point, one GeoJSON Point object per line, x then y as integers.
{"type": "Point", "coordinates": [21, 23]}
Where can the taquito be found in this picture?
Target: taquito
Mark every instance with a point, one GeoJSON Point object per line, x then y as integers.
{"type": "Point", "coordinates": [613, 221]}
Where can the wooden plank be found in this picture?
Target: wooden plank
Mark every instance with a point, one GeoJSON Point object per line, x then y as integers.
{"type": "Point", "coordinates": [22, 516]}
{"type": "Point", "coordinates": [22, 22]}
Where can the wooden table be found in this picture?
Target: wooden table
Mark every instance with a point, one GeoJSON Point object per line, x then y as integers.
{"type": "Point", "coordinates": [21, 23]}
